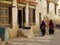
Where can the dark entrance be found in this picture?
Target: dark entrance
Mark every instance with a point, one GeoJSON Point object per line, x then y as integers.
{"type": "Point", "coordinates": [20, 18]}
{"type": "Point", "coordinates": [39, 18]}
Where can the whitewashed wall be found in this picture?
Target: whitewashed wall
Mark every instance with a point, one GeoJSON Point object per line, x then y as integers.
{"type": "Point", "coordinates": [42, 8]}
{"type": "Point", "coordinates": [57, 11]}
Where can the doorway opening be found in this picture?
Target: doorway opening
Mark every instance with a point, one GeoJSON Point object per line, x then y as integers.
{"type": "Point", "coordinates": [39, 18]}
{"type": "Point", "coordinates": [20, 18]}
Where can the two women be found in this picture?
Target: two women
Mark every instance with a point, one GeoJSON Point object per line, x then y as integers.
{"type": "Point", "coordinates": [43, 26]}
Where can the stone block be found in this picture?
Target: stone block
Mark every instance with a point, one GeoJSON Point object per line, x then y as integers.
{"type": "Point", "coordinates": [1, 42]}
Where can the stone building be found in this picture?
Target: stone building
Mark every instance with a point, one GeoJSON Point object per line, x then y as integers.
{"type": "Point", "coordinates": [25, 14]}
{"type": "Point", "coordinates": [17, 15]}
{"type": "Point", "coordinates": [48, 9]}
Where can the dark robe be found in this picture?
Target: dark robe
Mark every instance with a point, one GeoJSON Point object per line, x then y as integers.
{"type": "Point", "coordinates": [42, 27]}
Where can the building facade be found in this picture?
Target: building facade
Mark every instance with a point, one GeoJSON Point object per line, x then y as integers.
{"type": "Point", "coordinates": [48, 9]}
{"type": "Point", "coordinates": [24, 14]}
{"type": "Point", "coordinates": [17, 14]}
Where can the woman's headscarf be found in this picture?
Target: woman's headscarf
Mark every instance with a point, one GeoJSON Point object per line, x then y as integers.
{"type": "Point", "coordinates": [43, 23]}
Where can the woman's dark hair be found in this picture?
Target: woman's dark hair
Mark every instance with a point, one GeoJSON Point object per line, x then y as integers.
{"type": "Point", "coordinates": [50, 20]}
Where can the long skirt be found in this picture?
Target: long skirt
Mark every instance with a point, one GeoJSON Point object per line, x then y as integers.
{"type": "Point", "coordinates": [43, 32]}
{"type": "Point", "coordinates": [51, 31]}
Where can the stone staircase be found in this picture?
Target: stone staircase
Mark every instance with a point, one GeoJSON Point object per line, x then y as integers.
{"type": "Point", "coordinates": [23, 33]}
{"type": "Point", "coordinates": [29, 33]}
